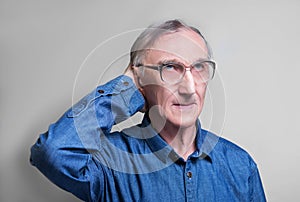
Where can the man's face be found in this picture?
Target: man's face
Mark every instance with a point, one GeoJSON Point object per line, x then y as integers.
{"type": "Point", "coordinates": [178, 104]}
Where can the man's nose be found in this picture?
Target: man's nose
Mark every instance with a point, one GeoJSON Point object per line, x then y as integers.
{"type": "Point", "coordinates": [187, 85]}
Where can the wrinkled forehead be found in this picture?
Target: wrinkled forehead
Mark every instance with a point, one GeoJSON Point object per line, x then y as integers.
{"type": "Point", "coordinates": [186, 46]}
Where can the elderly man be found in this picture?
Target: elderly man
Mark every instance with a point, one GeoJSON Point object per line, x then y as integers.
{"type": "Point", "coordinates": [168, 157]}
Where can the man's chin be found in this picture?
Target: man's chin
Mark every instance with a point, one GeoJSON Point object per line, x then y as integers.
{"type": "Point", "coordinates": [183, 122]}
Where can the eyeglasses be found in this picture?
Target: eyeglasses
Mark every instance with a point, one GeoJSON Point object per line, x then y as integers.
{"type": "Point", "coordinates": [172, 72]}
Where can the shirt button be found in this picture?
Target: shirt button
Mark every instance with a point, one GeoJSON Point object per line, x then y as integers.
{"type": "Point", "coordinates": [189, 174]}
{"type": "Point", "coordinates": [101, 91]}
{"type": "Point", "coordinates": [126, 83]}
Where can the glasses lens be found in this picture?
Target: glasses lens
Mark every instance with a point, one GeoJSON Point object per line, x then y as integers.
{"type": "Point", "coordinates": [172, 73]}
{"type": "Point", "coordinates": [204, 70]}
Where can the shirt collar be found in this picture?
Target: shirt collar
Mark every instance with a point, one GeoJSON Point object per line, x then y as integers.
{"type": "Point", "coordinates": [205, 142]}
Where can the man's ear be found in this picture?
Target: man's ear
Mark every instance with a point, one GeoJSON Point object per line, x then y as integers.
{"type": "Point", "coordinates": [138, 71]}
{"type": "Point", "coordinates": [134, 73]}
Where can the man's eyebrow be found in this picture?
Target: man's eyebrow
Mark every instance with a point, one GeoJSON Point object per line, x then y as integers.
{"type": "Point", "coordinates": [167, 61]}
{"type": "Point", "coordinates": [201, 59]}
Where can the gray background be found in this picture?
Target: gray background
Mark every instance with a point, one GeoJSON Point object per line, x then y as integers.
{"type": "Point", "coordinates": [43, 44]}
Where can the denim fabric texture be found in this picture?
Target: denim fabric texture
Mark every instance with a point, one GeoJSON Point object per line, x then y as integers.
{"type": "Point", "coordinates": [80, 154]}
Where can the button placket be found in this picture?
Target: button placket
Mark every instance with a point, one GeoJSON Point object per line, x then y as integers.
{"type": "Point", "coordinates": [189, 181]}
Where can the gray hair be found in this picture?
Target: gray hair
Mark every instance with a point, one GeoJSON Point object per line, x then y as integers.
{"type": "Point", "coordinates": [148, 37]}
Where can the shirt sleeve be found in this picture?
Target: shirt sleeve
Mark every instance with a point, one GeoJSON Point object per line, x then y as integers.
{"type": "Point", "coordinates": [256, 188]}
{"type": "Point", "coordinates": [64, 154]}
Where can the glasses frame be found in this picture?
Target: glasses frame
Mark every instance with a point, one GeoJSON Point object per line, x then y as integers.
{"type": "Point", "coordinates": [189, 68]}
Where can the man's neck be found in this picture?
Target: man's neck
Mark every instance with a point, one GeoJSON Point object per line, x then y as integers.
{"type": "Point", "coordinates": [181, 139]}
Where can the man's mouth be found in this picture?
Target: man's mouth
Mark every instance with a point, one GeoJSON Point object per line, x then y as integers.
{"type": "Point", "coordinates": [183, 106]}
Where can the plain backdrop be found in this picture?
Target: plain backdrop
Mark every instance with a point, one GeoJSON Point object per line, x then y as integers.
{"type": "Point", "coordinates": [44, 49]}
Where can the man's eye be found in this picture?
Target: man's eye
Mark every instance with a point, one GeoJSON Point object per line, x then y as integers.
{"type": "Point", "coordinates": [169, 67]}
{"type": "Point", "coordinates": [172, 67]}
{"type": "Point", "coordinates": [199, 66]}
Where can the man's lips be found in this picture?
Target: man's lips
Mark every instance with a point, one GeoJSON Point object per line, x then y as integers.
{"type": "Point", "coordinates": [183, 106]}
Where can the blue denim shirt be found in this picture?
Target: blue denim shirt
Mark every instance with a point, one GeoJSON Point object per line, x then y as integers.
{"type": "Point", "coordinates": [81, 155]}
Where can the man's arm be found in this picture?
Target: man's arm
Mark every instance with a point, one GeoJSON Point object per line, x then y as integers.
{"type": "Point", "coordinates": [256, 188]}
{"type": "Point", "coordinates": [64, 153]}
